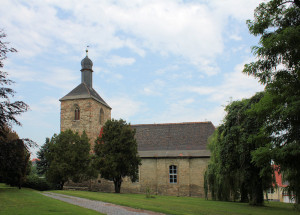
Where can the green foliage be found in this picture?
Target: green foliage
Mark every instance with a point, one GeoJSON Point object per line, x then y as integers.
{"type": "Point", "coordinates": [14, 159]}
{"type": "Point", "coordinates": [116, 153]}
{"type": "Point", "coordinates": [148, 193]}
{"type": "Point", "coordinates": [65, 157]}
{"type": "Point", "coordinates": [277, 22]}
{"type": "Point", "coordinates": [234, 172]}
{"type": "Point", "coordinates": [8, 110]}
{"type": "Point", "coordinates": [38, 183]}
{"type": "Point", "coordinates": [42, 164]}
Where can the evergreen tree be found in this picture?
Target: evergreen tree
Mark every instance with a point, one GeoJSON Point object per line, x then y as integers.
{"type": "Point", "coordinates": [116, 153]}
{"type": "Point", "coordinates": [14, 159]}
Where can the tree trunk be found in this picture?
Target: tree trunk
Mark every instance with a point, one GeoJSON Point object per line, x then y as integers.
{"type": "Point", "coordinates": [61, 185]}
{"type": "Point", "coordinates": [244, 193]}
{"type": "Point", "coordinates": [257, 193]}
{"type": "Point", "coordinates": [20, 182]}
{"type": "Point", "coordinates": [117, 183]}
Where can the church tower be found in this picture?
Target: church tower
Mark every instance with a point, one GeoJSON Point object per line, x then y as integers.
{"type": "Point", "coordinates": [83, 109]}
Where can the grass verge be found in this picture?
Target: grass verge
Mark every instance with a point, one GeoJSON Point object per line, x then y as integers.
{"type": "Point", "coordinates": [26, 201]}
{"type": "Point", "coordinates": [185, 205]}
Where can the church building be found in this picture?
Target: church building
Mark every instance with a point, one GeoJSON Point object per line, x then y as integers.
{"type": "Point", "coordinates": [174, 155]}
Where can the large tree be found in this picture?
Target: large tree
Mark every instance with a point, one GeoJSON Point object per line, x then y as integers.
{"type": "Point", "coordinates": [14, 158]}
{"type": "Point", "coordinates": [8, 110]}
{"type": "Point", "coordinates": [277, 22]}
{"type": "Point", "coordinates": [116, 153]}
{"type": "Point", "coordinates": [65, 157]}
{"type": "Point", "coordinates": [14, 152]}
{"type": "Point", "coordinates": [232, 173]}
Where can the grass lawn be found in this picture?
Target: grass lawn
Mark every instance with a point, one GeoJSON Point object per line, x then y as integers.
{"type": "Point", "coordinates": [26, 201]}
{"type": "Point", "coordinates": [185, 205]}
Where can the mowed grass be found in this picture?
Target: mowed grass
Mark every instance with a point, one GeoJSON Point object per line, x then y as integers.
{"type": "Point", "coordinates": [185, 205]}
{"type": "Point", "coordinates": [26, 201]}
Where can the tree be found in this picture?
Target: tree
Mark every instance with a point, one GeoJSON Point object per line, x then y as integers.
{"type": "Point", "coordinates": [277, 22]}
{"type": "Point", "coordinates": [8, 110]}
{"type": "Point", "coordinates": [65, 157]}
{"type": "Point", "coordinates": [232, 172]}
{"type": "Point", "coordinates": [42, 164]}
{"type": "Point", "coordinates": [14, 158]}
{"type": "Point", "coordinates": [116, 153]}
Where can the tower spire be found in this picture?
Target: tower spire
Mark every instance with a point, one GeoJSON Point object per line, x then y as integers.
{"type": "Point", "coordinates": [86, 70]}
{"type": "Point", "coordinates": [87, 50]}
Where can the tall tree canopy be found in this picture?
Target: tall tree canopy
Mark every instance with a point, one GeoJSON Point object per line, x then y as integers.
{"type": "Point", "coordinates": [116, 153]}
{"type": "Point", "coordinates": [65, 157]}
{"type": "Point", "coordinates": [277, 22]}
{"type": "Point", "coordinates": [232, 172]}
{"type": "Point", "coordinates": [14, 152]}
{"type": "Point", "coordinates": [8, 110]}
{"type": "Point", "coordinates": [14, 158]}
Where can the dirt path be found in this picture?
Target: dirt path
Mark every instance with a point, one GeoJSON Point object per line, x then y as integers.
{"type": "Point", "coordinates": [102, 207]}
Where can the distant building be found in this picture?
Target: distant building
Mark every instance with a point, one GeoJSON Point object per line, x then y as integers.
{"type": "Point", "coordinates": [174, 155]}
{"type": "Point", "coordinates": [278, 193]}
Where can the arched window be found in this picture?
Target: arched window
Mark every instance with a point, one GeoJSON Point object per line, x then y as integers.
{"type": "Point", "coordinates": [173, 174]}
{"type": "Point", "coordinates": [77, 113]}
{"type": "Point", "coordinates": [101, 118]}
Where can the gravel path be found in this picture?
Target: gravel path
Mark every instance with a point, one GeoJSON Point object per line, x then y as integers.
{"type": "Point", "coordinates": [102, 207]}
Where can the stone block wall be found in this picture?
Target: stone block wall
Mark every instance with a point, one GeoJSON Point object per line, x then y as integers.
{"type": "Point", "coordinates": [154, 175]}
{"type": "Point", "coordinates": [89, 117]}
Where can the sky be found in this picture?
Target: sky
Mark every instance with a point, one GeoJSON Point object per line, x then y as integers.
{"type": "Point", "coordinates": [155, 61]}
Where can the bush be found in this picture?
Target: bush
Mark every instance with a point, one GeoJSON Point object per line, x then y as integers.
{"type": "Point", "coordinates": [37, 183]}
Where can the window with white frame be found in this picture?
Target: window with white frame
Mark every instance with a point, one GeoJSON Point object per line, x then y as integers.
{"type": "Point", "coordinates": [173, 174]}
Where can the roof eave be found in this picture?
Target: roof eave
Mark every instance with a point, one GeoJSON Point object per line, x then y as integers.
{"type": "Point", "coordinates": [83, 97]}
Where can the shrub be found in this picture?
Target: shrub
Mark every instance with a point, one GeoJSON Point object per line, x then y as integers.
{"type": "Point", "coordinates": [38, 183]}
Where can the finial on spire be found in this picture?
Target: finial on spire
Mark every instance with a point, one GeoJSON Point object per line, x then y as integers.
{"type": "Point", "coordinates": [87, 50]}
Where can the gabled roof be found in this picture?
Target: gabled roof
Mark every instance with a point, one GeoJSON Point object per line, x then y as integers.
{"type": "Point", "coordinates": [173, 137]}
{"type": "Point", "coordinates": [82, 91]}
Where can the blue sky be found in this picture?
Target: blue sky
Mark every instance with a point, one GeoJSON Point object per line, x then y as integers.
{"type": "Point", "coordinates": [154, 61]}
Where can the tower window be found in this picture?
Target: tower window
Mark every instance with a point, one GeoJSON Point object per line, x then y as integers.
{"type": "Point", "coordinates": [77, 113]}
{"type": "Point", "coordinates": [173, 174]}
{"type": "Point", "coordinates": [101, 118]}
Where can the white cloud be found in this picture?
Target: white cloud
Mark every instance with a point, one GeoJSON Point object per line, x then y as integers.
{"type": "Point", "coordinates": [236, 85]}
{"type": "Point", "coordinates": [167, 69]}
{"type": "Point", "coordinates": [124, 107]}
{"type": "Point", "coordinates": [199, 90]}
{"type": "Point", "coordinates": [192, 31]}
{"type": "Point", "coordinates": [61, 78]}
{"type": "Point", "coordinates": [240, 10]}
{"type": "Point", "coordinates": [22, 73]}
{"type": "Point", "coordinates": [235, 37]}
{"type": "Point", "coordinates": [120, 61]}
{"type": "Point", "coordinates": [182, 111]}
{"type": "Point", "coordinates": [154, 88]}
{"type": "Point", "coordinates": [107, 75]}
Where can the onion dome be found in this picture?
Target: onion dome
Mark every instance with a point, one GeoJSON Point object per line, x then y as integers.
{"type": "Point", "coordinates": [86, 63]}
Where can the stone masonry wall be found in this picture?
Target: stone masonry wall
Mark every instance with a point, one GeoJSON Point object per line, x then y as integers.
{"type": "Point", "coordinates": [154, 175]}
{"type": "Point", "coordinates": [89, 117]}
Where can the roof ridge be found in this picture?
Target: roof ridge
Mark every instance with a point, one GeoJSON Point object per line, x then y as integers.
{"type": "Point", "coordinates": [175, 123]}
{"type": "Point", "coordinates": [88, 89]}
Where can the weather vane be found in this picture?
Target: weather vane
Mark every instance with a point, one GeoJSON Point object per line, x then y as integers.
{"type": "Point", "coordinates": [87, 50]}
